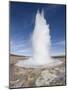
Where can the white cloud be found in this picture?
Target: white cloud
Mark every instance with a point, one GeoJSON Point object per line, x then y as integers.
{"type": "Point", "coordinates": [20, 47]}
{"type": "Point", "coordinates": [58, 48]}
{"type": "Point", "coordinates": [57, 53]}
{"type": "Point", "coordinates": [23, 48]}
{"type": "Point", "coordinates": [60, 43]}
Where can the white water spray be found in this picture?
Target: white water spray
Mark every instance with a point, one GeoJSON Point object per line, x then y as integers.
{"type": "Point", "coordinates": [41, 40]}
{"type": "Point", "coordinates": [41, 44]}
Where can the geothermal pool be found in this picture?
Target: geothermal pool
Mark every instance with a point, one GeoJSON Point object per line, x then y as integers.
{"type": "Point", "coordinates": [41, 42]}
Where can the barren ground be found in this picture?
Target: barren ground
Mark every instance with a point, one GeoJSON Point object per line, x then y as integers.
{"type": "Point", "coordinates": [35, 77]}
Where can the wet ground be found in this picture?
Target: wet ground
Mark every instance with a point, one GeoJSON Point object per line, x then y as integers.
{"type": "Point", "coordinates": [36, 77]}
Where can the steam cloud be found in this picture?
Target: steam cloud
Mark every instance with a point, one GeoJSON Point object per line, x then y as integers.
{"type": "Point", "coordinates": [41, 44]}
{"type": "Point", "coordinates": [41, 40]}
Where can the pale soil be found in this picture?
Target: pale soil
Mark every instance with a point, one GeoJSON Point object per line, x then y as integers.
{"type": "Point", "coordinates": [30, 77]}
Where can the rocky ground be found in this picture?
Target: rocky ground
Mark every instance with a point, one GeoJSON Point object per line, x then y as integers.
{"type": "Point", "coordinates": [36, 77]}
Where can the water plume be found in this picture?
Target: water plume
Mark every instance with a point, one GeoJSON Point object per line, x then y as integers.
{"type": "Point", "coordinates": [41, 42]}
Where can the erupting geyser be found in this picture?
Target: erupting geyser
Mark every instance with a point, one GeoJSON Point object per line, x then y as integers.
{"type": "Point", "coordinates": [41, 44]}
{"type": "Point", "coordinates": [41, 40]}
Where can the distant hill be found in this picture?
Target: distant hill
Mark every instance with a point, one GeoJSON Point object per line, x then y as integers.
{"type": "Point", "coordinates": [63, 56]}
{"type": "Point", "coordinates": [18, 55]}
{"type": "Point", "coordinates": [14, 58]}
{"type": "Point", "coordinates": [58, 56]}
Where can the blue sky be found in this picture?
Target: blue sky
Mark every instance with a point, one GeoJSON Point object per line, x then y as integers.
{"type": "Point", "coordinates": [22, 20]}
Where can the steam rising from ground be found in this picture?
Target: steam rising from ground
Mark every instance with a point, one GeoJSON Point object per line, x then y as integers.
{"type": "Point", "coordinates": [41, 44]}
{"type": "Point", "coordinates": [41, 40]}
